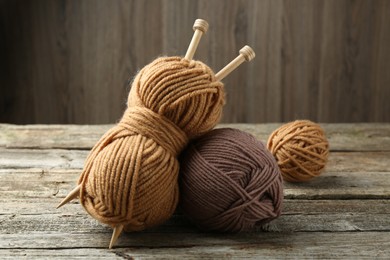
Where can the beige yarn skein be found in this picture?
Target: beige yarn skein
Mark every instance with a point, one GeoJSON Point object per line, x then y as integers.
{"type": "Point", "coordinates": [130, 176]}
{"type": "Point", "coordinates": [301, 150]}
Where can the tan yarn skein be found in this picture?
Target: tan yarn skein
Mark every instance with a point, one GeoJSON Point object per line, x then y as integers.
{"type": "Point", "coordinates": [300, 148]}
{"type": "Point", "coordinates": [130, 176]}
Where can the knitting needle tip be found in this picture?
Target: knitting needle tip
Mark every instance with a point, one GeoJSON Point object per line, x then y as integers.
{"type": "Point", "coordinates": [200, 27]}
{"type": "Point", "coordinates": [246, 54]}
{"type": "Point", "coordinates": [72, 195]}
{"type": "Point", "coordinates": [117, 231]}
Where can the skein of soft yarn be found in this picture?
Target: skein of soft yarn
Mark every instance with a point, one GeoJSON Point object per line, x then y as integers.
{"type": "Point", "coordinates": [130, 176]}
{"type": "Point", "coordinates": [229, 182]}
{"type": "Point", "coordinates": [301, 149]}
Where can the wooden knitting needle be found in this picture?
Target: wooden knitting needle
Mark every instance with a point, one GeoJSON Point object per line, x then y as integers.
{"type": "Point", "coordinates": [200, 27]}
{"type": "Point", "coordinates": [72, 195]}
{"type": "Point", "coordinates": [117, 231]}
{"type": "Point", "coordinates": [246, 54]}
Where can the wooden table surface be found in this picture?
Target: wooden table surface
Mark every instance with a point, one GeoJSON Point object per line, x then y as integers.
{"type": "Point", "coordinates": [344, 213]}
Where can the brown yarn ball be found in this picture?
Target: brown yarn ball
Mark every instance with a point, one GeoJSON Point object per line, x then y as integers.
{"type": "Point", "coordinates": [130, 176]}
{"type": "Point", "coordinates": [301, 150]}
{"type": "Point", "coordinates": [229, 182]}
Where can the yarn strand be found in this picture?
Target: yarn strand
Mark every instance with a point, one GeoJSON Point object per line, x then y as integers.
{"type": "Point", "coordinates": [130, 177]}
{"type": "Point", "coordinates": [300, 148]}
{"type": "Point", "coordinates": [229, 182]}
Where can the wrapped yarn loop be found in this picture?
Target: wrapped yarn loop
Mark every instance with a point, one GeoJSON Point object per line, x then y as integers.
{"type": "Point", "coordinates": [301, 149]}
{"type": "Point", "coordinates": [131, 175]}
{"type": "Point", "coordinates": [230, 182]}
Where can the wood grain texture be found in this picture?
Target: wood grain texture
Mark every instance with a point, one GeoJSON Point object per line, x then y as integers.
{"type": "Point", "coordinates": [74, 159]}
{"type": "Point", "coordinates": [289, 222]}
{"type": "Point", "coordinates": [49, 183]}
{"type": "Point", "coordinates": [342, 137]}
{"type": "Point", "coordinates": [344, 213]}
{"type": "Point", "coordinates": [72, 61]}
{"type": "Point", "coordinates": [283, 245]}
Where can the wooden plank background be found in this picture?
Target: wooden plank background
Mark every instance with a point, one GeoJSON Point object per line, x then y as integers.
{"type": "Point", "coordinates": [72, 61]}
